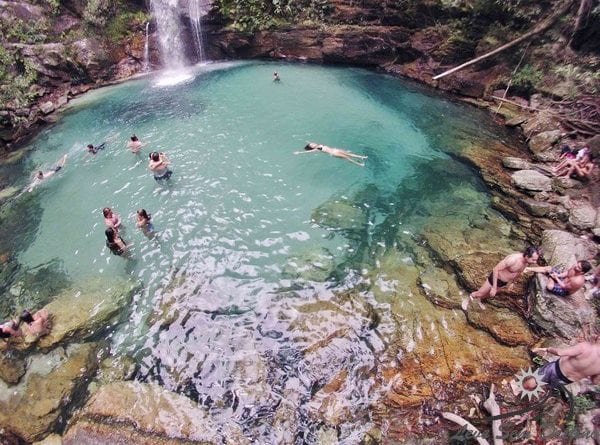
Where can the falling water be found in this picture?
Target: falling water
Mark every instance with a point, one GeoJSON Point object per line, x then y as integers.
{"type": "Point", "coordinates": [195, 12]}
{"type": "Point", "coordinates": [146, 49]}
{"type": "Point", "coordinates": [166, 13]}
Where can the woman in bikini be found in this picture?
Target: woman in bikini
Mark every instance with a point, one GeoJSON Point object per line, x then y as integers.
{"type": "Point", "coordinates": [115, 243]}
{"type": "Point", "coordinates": [311, 147]}
{"type": "Point", "coordinates": [144, 223]}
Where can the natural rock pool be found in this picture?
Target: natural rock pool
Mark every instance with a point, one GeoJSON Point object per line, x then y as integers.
{"type": "Point", "coordinates": [294, 295]}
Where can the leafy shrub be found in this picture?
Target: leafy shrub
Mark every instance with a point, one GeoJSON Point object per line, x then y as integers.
{"type": "Point", "coordinates": [526, 79]}
{"type": "Point", "coordinates": [16, 78]}
{"type": "Point", "coordinates": [17, 31]}
{"type": "Point", "coordinates": [124, 24]}
{"type": "Point", "coordinates": [582, 81]}
{"type": "Point", "coordinates": [98, 12]}
{"type": "Point", "coordinates": [251, 15]}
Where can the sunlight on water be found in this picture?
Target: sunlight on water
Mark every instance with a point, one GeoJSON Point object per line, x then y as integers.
{"type": "Point", "coordinates": [257, 250]}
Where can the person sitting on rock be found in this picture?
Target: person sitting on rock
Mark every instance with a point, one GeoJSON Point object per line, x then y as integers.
{"type": "Point", "coordinates": [10, 329]}
{"type": "Point", "coordinates": [565, 283]}
{"type": "Point", "coordinates": [503, 273]}
{"type": "Point", "coordinates": [37, 324]}
{"type": "Point", "coordinates": [575, 363]}
{"type": "Point", "coordinates": [311, 147]}
{"type": "Point", "coordinates": [577, 169]}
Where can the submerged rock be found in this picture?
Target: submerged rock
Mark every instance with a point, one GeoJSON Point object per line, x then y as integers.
{"type": "Point", "coordinates": [114, 369]}
{"type": "Point", "coordinates": [37, 405]}
{"type": "Point", "coordinates": [133, 412]}
{"type": "Point", "coordinates": [314, 265]}
{"type": "Point", "coordinates": [339, 215]}
{"type": "Point", "coordinates": [82, 313]}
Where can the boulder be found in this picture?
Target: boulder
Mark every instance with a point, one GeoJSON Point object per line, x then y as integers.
{"type": "Point", "coordinates": [562, 185]}
{"type": "Point", "coordinates": [47, 107]}
{"type": "Point", "coordinates": [564, 248]}
{"type": "Point", "coordinates": [539, 208]}
{"type": "Point", "coordinates": [37, 405]}
{"type": "Point", "coordinates": [531, 180]}
{"type": "Point", "coordinates": [81, 313]}
{"type": "Point", "coordinates": [133, 412]}
{"type": "Point", "coordinates": [503, 324]}
{"type": "Point", "coordinates": [594, 145]}
{"type": "Point", "coordinates": [516, 163]}
{"type": "Point", "coordinates": [542, 141]}
{"type": "Point", "coordinates": [12, 367]}
{"type": "Point", "coordinates": [516, 121]}
{"type": "Point", "coordinates": [583, 217]}
{"type": "Point", "coordinates": [540, 122]}
{"type": "Point", "coordinates": [339, 215]}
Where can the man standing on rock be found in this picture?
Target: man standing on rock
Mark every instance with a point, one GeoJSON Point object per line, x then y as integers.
{"type": "Point", "coordinates": [503, 273]}
{"type": "Point", "coordinates": [575, 363]}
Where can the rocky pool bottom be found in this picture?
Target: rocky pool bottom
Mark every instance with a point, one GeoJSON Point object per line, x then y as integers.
{"type": "Point", "coordinates": [364, 366]}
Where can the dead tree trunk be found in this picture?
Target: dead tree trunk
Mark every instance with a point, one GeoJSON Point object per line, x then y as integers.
{"type": "Point", "coordinates": [581, 23]}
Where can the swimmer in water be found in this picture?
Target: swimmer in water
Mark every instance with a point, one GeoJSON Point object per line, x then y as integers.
{"type": "Point", "coordinates": [134, 144]}
{"type": "Point", "coordinates": [93, 150]}
{"type": "Point", "coordinates": [41, 175]}
{"type": "Point", "coordinates": [311, 147]}
{"type": "Point", "coordinates": [159, 165]}
{"type": "Point", "coordinates": [144, 223]}
{"type": "Point", "coordinates": [276, 77]}
{"type": "Point", "coordinates": [115, 243]}
{"type": "Point", "coordinates": [111, 220]}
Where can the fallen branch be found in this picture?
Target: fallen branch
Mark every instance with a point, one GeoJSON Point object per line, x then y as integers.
{"type": "Point", "coordinates": [493, 408]}
{"type": "Point", "coordinates": [467, 425]}
{"type": "Point", "coordinates": [541, 27]}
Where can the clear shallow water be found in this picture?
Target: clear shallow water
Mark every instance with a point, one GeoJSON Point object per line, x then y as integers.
{"type": "Point", "coordinates": [250, 235]}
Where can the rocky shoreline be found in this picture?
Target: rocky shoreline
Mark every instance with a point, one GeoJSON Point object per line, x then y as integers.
{"type": "Point", "coordinates": [560, 214]}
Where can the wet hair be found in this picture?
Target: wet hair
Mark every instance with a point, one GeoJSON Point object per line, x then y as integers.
{"type": "Point", "coordinates": [110, 235]}
{"type": "Point", "coordinates": [4, 334]}
{"type": "Point", "coordinates": [530, 251]}
{"type": "Point", "coordinates": [585, 266]}
{"type": "Point", "coordinates": [106, 211]}
{"type": "Point", "coordinates": [144, 214]}
{"type": "Point", "coordinates": [134, 137]}
{"type": "Point", "coordinates": [155, 156]}
{"type": "Point", "coordinates": [565, 149]}
{"type": "Point", "coordinates": [40, 174]}
{"type": "Point", "coordinates": [26, 317]}
{"type": "Point", "coordinates": [311, 146]}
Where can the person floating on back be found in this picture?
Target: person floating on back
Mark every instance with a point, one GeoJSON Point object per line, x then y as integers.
{"type": "Point", "coordinates": [311, 147]}
{"type": "Point", "coordinates": [503, 273]}
{"type": "Point", "coordinates": [41, 175]}
{"type": "Point", "coordinates": [159, 165]}
{"type": "Point", "coordinates": [134, 144]}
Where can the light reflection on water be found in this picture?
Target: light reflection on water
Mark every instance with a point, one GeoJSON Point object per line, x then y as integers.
{"type": "Point", "coordinates": [250, 304]}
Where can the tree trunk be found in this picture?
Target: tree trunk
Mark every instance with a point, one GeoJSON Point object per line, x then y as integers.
{"type": "Point", "coordinates": [581, 23]}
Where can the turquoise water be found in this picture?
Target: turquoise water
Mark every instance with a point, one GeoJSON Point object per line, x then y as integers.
{"type": "Point", "coordinates": [246, 230]}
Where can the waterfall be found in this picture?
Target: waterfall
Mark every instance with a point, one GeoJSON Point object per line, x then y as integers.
{"type": "Point", "coordinates": [147, 49]}
{"type": "Point", "coordinates": [166, 14]}
{"type": "Point", "coordinates": [195, 12]}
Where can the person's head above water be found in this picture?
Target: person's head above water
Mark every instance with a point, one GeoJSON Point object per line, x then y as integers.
{"type": "Point", "coordinates": [107, 212]}
{"type": "Point", "coordinates": [110, 235]}
{"type": "Point", "coordinates": [40, 175]}
{"type": "Point", "coordinates": [155, 156]}
{"type": "Point", "coordinates": [142, 213]}
{"type": "Point", "coordinates": [90, 147]}
{"type": "Point", "coordinates": [313, 146]}
{"type": "Point", "coordinates": [134, 138]}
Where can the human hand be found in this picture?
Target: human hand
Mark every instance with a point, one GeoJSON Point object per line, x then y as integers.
{"type": "Point", "coordinates": [493, 292]}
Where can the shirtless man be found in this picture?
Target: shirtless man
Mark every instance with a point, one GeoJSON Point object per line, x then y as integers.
{"type": "Point", "coordinates": [159, 165]}
{"type": "Point", "coordinates": [503, 273]}
{"type": "Point", "coordinates": [311, 147]}
{"type": "Point", "coordinates": [566, 283]}
{"type": "Point", "coordinates": [134, 144]}
{"type": "Point", "coordinates": [575, 363]}
{"type": "Point", "coordinates": [38, 323]}
{"type": "Point", "coordinates": [40, 175]}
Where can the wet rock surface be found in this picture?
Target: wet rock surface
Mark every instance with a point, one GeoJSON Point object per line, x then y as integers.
{"type": "Point", "coordinates": [148, 414]}
{"type": "Point", "coordinates": [37, 406]}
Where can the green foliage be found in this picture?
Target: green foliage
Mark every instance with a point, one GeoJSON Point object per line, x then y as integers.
{"type": "Point", "coordinates": [579, 80]}
{"type": "Point", "coordinates": [124, 25]}
{"type": "Point", "coordinates": [457, 44]}
{"type": "Point", "coordinates": [16, 78]}
{"type": "Point", "coordinates": [53, 6]}
{"type": "Point", "coordinates": [252, 15]}
{"type": "Point", "coordinates": [98, 12]}
{"type": "Point", "coordinates": [527, 79]}
{"type": "Point", "coordinates": [17, 31]}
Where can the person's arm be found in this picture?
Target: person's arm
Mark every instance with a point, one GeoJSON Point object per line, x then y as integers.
{"type": "Point", "coordinates": [571, 351]}
{"type": "Point", "coordinates": [538, 269]}
{"type": "Point", "coordinates": [305, 151]}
